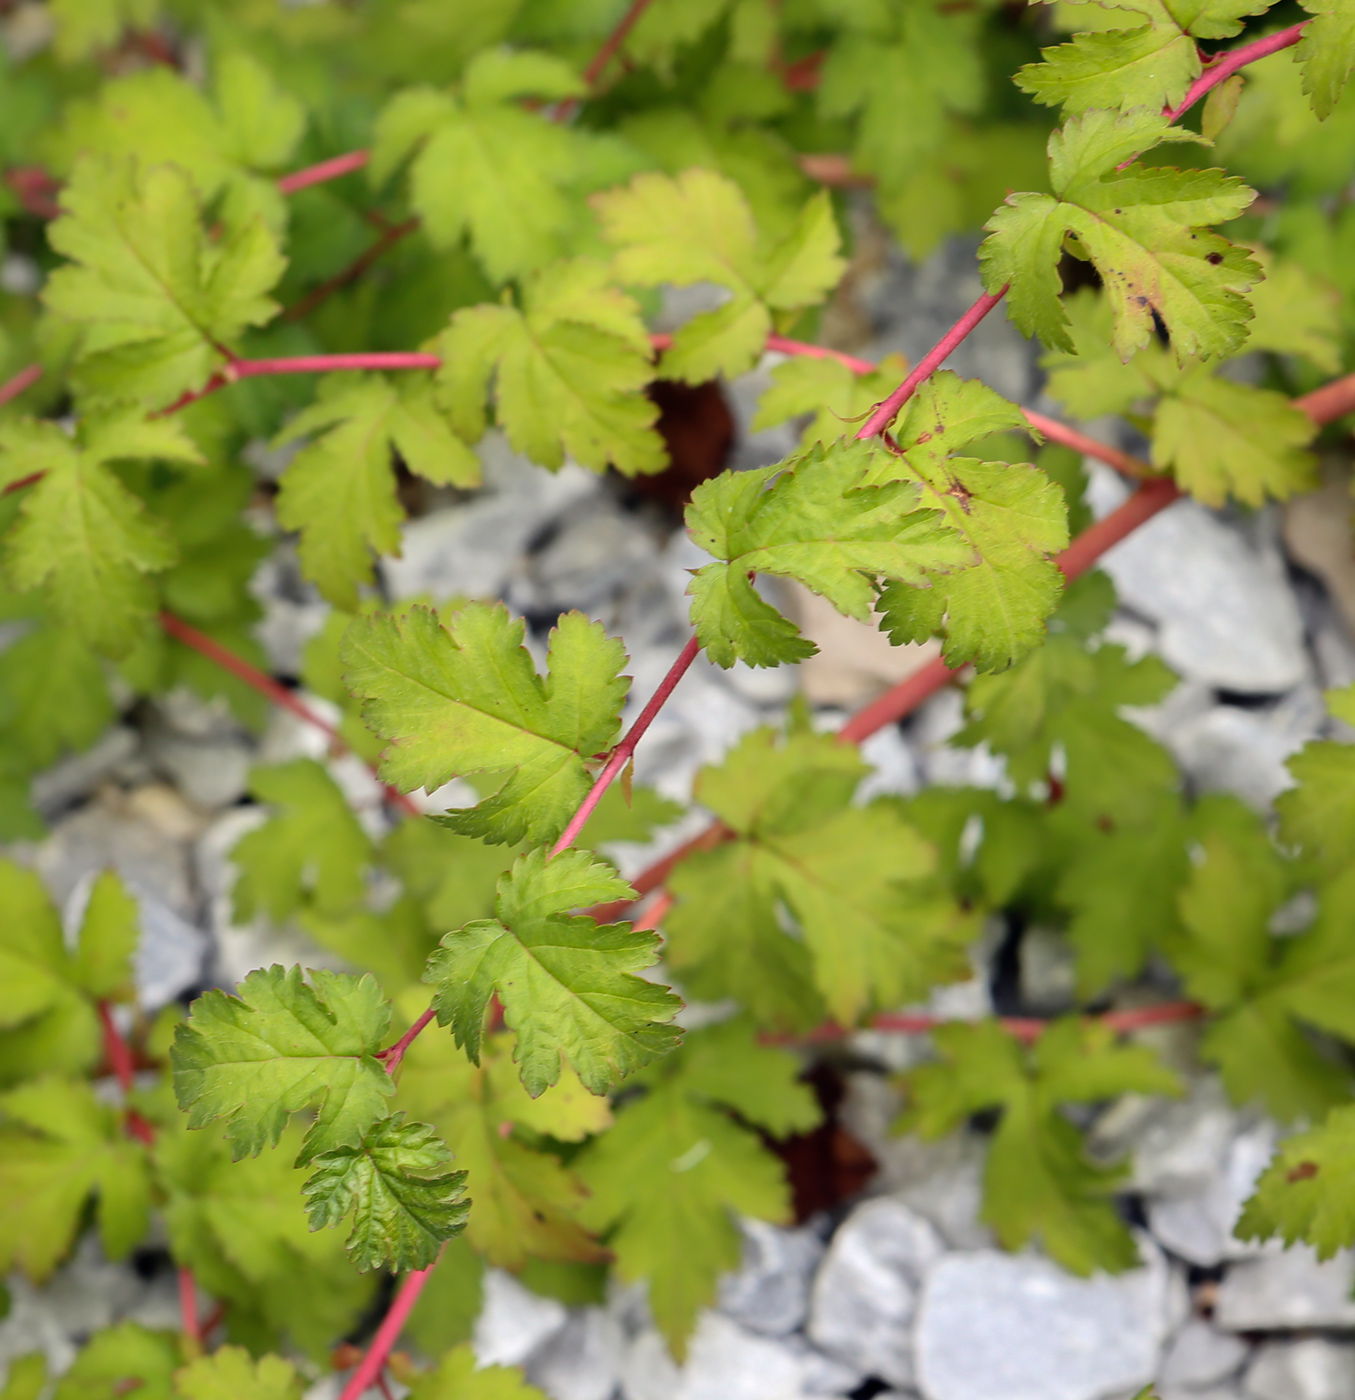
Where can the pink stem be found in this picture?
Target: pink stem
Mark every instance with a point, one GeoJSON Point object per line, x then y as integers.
{"type": "Point", "coordinates": [369, 1368]}
{"type": "Point", "coordinates": [887, 411]}
{"type": "Point", "coordinates": [621, 754]}
{"type": "Point", "coordinates": [188, 1308]}
{"type": "Point", "coordinates": [323, 364]}
{"type": "Point", "coordinates": [819, 352]}
{"type": "Point", "coordinates": [610, 47]}
{"type": "Point", "coordinates": [330, 169]}
{"type": "Point", "coordinates": [1223, 66]}
{"type": "Point", "coordinates": [25, 379]}
{"type": "Point", "coordinates": [392, 1057]}
{"type": "Point", "coordinates": [1055, 431]}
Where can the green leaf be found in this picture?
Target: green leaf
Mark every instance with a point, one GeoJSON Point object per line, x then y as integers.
{"type": "Point", "coordinates": [58, 1146]}
{"type": "Point", "coordinates": [1011, 517]}
{"type": "Point", "coordinates": [339, 491]}
{"type": "Point", "coordinates": [525, 1202]}
{"type": "Point", "coordinates": [241, 1227]}
{"type": "Point", "coordinates": [1142, 228]}
{"type": "Point", "coordinates": [466, 699]}
{"type": "Point", "coordinates": [820, 519]}
{"type": "Point", "coordinates": [1319, 814]}
{"type": "Point", "coordinates": [397, 1185]}
{"type": "Point", "coordinates": [1308, 1191]}
{"type": "Point", "coordinates": [83, 27]}
{"type": "Point", "coordinates": [312, 854]}
{"type": "Point", "coordinates": [458, 1377]}
{"type": "Point", "coordinates": [569, 372]}
{"type": "Point", "coordinates": [1327, 52]}
{"type": "Point", "coordinates": [53, 695]}
{"type": "Point", "coordinates": [108, 939]}
{"type": "Point", "coordinates": [231, 1373]}
{"type": "Point", "coordinates": [161, 305]}
{"type": "Point", "coordinates": [567, 985]}
{"type": "Point", "coordinates": [835, 395]}
{"type": "Point", "coordinates": [120, 1359]}
{"type": "Point", "coordinates": [1038, 1181]}
{"type": "Point", "coordinates": [82, 537]}
{"type": "Point", "coordinates": [27, 1378]}
{"type": "Point", "coordinates": [1226, 439]}
{"type": "Point", "coordinates": [250, 1061]}
{"type": "Point", "coordinates": [874, 929]}
{"type": "Point", "coordinates": [1150, 65]}
{"type": "Point", "coordinates": [668, 1177]}
{"type": "Point", "coordinates": [698, 227]}
{"type": "Point", "coordinates": [486, 168]}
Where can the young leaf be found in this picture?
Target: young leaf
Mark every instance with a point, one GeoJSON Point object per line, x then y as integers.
{"type": "Point", "coordinates": [567, 985]}
{"type": "Point", "coordinates": [83, 27]}
{"type": "Point", "coordinates": [162, 306]}
{"type": "Point", "coordinates": [484, 167]}
{"type": "Point", "coordinates": [819, 519]}
{"type": "Point", "coordinates": [525, 1201]}
{"type": "Point", "coordinates": [58, 1146]}
{"type": "Point", "coordinates": [875, 930]}
{"type": "Point", "coordinates": [569, 371]}
{"type": "Point", "coordinates": [27, 1379]}
{"type": "Point", "coordinates": [1011, 517]}
{"type": "Point", "coordinates": [82, 537]}
{"type": "Point", "coordinates": [668, 1177]}
{"type": "Point", "coordinates": [250, 1061]}
{"type": "Point", "coordinates": [120, 1359]}
{"type": "Point", "coordinates": [1319, 814]}
{"type": "Point", "coordinates": [397, 1185]}
{"type": "Point", "coordinates": [108, 938]}
{"type": "Point", "coordinates": [339, 490]}
{"type": "Point", "coordinates": [1327, 52]}
{"type": "Point", "coordinates": [1141, 226]}
{"type": "Point", "coordinates": [466, 699]}
{"type": "Point", "coordinates": [312, 854]}
{"type": "Point", "coordinates": [1038, 1181]}
{"type": "Point", "coordinates": [458, 1376]}
{"type": "Point", "coordinates": [698, 227]}
{"type": "Point", "coordinates": [231, 1373]}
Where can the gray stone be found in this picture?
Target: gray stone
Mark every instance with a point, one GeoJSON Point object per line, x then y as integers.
{"type": "Point", "coordinates": [724, 1362]}
{"type": "Point", "coordinates": [1226, 613]}
{"type": "Point", "coordinates": [210, 773]}
{"type": "Point", "coordinates": [1312, 1369]}
{"type": "Point", "coordinates": [1292, 1288]}
{"type": "Point", "coordinates": [1199, 1356]}
{"type": "Point", "coordinates": [865, 1292]}
{"type": "Point", "coordinates": [1178, 1144]}
{"type": "Point", "coordinates": [65, 783]}
{"type": "Point", "coordinates": [513, 1322]}
{"type": "Point", "coordinates": [943, 765]}
{"type": "Point", "coordinates": [581, 1361]}
{"type": "Point", "coordinates": [770, 1292]}
{"type": "Point", "coordinates": [1243, 751]}
{"type": "Point", "coordinates": [1198, 1225]}
{"type": "Point", "coordinates": [1001, 1327]}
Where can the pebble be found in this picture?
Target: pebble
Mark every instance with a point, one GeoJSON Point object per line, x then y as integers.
{"type": "Point", "coordinates": [1199, 1356]}
{"type": "Point", "coordinates": [865, 1293]}
{"type": "Point", "coordinates": [1311, 1369]}
{"type": "Point", "coordinates": [582, 1360]}
{"type": "Point", "coordinates": [770, 1292]}
{"type": "Point", "coordinates": [514, 1322]}
{"type": "Point", "coordinates": [996, 1326]}
{"type": "Point", "coordinates": [1226, 613]}
{"type": "Point", "coordinates": [1285, 1290]}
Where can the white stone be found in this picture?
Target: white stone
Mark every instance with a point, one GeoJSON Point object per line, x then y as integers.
{"type": "Point", "coordinates": [581, 1361]}
{"type": "Point", "coordinates": [1312, 1369]}
{"type": "Point", "coordinates": [1198, 1225]}
{"type": "Point", "coordinates": [770, 1292]}
{"type": "Point", "coordinates": [1016, 1327]}
{"type": "Point", "coordinates": [865, 1292]}
{"type": "Point", "coordinates": [1292, 1288]}
{"type": "Point", "coordinates": [513, 1321]}
{"type": "Point", "coordinates": [59, 786]}
{"type": "Point", "coordinates": [1226, 613]}
{"type": "Point", "coordinates": [1200, 1355]}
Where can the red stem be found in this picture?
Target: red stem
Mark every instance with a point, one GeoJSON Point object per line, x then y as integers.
{"type": "Point", "coordinates": [330, 169]}
{"type": "Point", "coordinates": [1330, 402]}
{"type": "Point", "coordinates": [387, 1334]}
{"type": "Point", "coordinates": [25, 379]}
{"type": "Point", "coordinates": [323, 364]}
{"type": "Point", "coordinates": [887, 411]}
{"type": "Point", "coordinates": [267, 686]}
{"type": "Point", "coordinates": [610, 46]}
{"type": "Point", "coordinates": [188, 1309]}
{"type": "Point", "coordinates": [320, 294]}
{"type": "Point", "coordinates": [392, 1057]}
{"type": "Point", "coordinates": [1055, 431]}
{"type": "Point", "coordinates": [116, 1050]}
{"type": "Point", "coordinates": [622, 753]}
{"type": "Point", "coordinates": [1223, 66]}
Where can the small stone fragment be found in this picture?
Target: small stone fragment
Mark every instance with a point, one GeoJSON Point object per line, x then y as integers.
{"type": "Point", "coordinates": [770, 1292]}
{"type": "Point", "coordinates": [513, 1321]}
{"type": "Point", "coordinates": [1292, 1288]}
{"type": "Point", "coordinates": [1312, 1369]}
{"type": "Point", "coordinates": [1199, 1356]}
